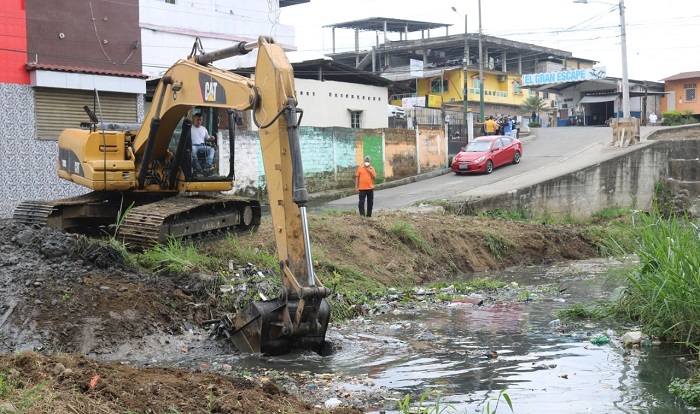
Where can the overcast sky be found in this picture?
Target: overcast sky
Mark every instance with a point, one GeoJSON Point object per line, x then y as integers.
{"type": "Point", "coordinates": [663, 37]}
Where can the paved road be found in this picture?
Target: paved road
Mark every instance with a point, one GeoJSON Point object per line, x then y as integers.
{"type": "Point", "coordinates": [547, 153]}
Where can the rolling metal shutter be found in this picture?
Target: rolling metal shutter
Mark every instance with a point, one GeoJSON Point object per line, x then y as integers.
{"type": "Point", "coordinates": [58, 109]}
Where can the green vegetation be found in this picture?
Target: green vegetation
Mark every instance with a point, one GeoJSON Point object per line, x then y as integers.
{"type": "Point", "coordinates": [533, 105]}
{"type": "Point", "coordinates": [497, 243]}
{"type": "Point", "coordinates": [581, 312]}
{"type": "Point", "coordinates": [349, 282]}
{"type": "Point", "coordinates": [471, 285]}
{"type": "Point", "coordinates": [174, 257]}
{"type": "Point", "coordinates": [22, 400]}
{"type": "Point", "coordinates": [611, 213]}
{"type": "Point", "coordinates": [664, 291]}
{"type": "Point", "coordinates": [678, 117]}
{"type": "Point", "coordinates": [407, 233]}
{"type": "Point", "coordinates": [406, 408]}
{"type": "Point", "coordinates": [241, 253]}
{"type": "Point", "coordinates": [521, 214]}
{"type": "Point", "coordinates": [688, 390]}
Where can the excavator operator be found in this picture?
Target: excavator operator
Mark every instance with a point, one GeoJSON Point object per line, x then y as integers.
{"type": "Point", "coordinates": [201, 144]}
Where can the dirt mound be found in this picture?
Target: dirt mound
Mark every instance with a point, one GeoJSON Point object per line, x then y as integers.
{"type": "Point", "coordinates": [63, 292]}
{"type": "Point", "coordinates": [78, 384]}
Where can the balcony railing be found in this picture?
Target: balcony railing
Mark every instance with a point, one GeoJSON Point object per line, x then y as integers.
{"type": "Point", "coordinates": [489, 92]}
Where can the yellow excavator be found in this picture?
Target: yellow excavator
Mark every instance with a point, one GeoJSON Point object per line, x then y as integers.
{"type": "Point", "coordinates": [144, 175]}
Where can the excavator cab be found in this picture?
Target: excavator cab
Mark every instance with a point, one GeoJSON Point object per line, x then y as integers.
{"type": "Point", "coordinates": [201, 163]}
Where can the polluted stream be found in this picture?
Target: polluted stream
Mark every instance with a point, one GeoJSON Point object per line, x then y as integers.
{"type": "Point", "coordinates": [459, 356]}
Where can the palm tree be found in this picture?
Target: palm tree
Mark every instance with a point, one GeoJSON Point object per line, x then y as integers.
{"type": "Point", "coordinates": [533, 104]}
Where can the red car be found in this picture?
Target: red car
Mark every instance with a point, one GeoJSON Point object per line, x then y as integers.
{"type": "Point", "coordinates": [484, 154]}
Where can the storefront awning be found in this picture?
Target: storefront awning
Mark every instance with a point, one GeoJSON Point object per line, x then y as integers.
{"type": "Point", "coordinates": [599, 98]}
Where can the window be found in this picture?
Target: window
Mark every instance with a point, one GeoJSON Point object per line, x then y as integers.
{"type": "Point", "coordinates": [438, 85]}
{"type": "Point", "coordinates": [170, 1]}
{"type": "Point", "coordinates": [476, 83]}
{"type": "Point", "coordinates": [690, 92]}
{"type": "Point", "coordinates": [355, 118]}
{"type": "Point", "coordinates": [516, 87]}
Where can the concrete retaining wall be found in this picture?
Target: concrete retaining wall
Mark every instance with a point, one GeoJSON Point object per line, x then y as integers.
{"type": "Point", "coordinates": [625, 181]}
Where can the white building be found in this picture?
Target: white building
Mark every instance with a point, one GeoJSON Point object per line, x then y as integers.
{"type": "Point", "coordinates": [341, 104]}
{"type": "Point", "coordinates": [170, 27]}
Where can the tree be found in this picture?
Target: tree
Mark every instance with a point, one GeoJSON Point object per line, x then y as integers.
{"type": "Point", "coordinates": [533, 104]}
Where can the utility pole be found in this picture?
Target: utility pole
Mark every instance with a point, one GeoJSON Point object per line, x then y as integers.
{"type": "Point", "coordinates": [625, 79]}
{"type": "Point", "coordinates": [465, 67]}
{"type": "Point", "coordinates": [481, 71]}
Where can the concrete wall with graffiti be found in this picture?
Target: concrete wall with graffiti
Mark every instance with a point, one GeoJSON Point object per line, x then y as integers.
{"type": "Point", "coordinates": [331, 156]}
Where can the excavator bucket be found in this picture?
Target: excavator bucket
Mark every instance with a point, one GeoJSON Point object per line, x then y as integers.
{"type": "Point", "coordinates": [299, 317]}
{"type": "Point", "coordinates": [264, 327]}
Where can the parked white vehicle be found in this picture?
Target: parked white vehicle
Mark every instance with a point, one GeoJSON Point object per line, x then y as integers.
{"type": "Point", "coordinates": [397, 111]}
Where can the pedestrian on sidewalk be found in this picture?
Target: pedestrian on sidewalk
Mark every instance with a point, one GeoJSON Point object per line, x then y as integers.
{"type": "Point", "coordinates": [490, 126]}
{"type": "Point", "coordinates": [652, 119]}
{"type": "Point", "coordinates": [364, 184]}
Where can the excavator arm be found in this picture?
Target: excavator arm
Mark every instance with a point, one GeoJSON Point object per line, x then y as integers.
{"type": "Point", "coordinates": [298, 318]}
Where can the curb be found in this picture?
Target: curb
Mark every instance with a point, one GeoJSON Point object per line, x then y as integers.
{"type": "Point", "coordinates": [319, 198]}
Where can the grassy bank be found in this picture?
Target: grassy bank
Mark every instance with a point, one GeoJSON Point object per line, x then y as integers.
{"type": "Point", "coordinates": [360, 258]}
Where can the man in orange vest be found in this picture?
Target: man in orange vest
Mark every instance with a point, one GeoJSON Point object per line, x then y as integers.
{"type": "Point", "coordinates": [364, 184]}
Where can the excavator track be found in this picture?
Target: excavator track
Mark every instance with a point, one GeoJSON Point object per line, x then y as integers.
{"type": "Point", "coordinates": [193, 217]}
{"type": "Point", "coordinates": [151, 220]}
{"type": "Point", "coordinates": [84, 214]}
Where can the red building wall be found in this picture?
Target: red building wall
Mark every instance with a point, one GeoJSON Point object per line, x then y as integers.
{"type": "Point", "coordinates": [95, 34]}
{"type": "Point", "coordinates": [13, 42]}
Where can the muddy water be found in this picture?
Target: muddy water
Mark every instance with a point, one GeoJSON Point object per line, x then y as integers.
{"type": "Point", "coordinates": [466, 355]}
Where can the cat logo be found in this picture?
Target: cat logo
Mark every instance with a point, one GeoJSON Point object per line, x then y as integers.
{"type": "Point", "coordinates": [210, 91]}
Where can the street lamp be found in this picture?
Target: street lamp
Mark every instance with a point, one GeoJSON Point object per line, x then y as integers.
{"type": "Point", "coordinates": [465, 62]}
{"type": "Point", "coordinates": [623, 42]}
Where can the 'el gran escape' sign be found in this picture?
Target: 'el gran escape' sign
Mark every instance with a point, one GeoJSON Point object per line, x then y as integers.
{"type": "Point", "coordinates": [564, 76]}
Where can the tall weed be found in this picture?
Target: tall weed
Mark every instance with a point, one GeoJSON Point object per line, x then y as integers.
{"type": "Point", "coordinates": [664, 292]}
{"type": "Point", "coordinates": [407, 233]}
{"type": "Point", "coordinates": [174, 257]}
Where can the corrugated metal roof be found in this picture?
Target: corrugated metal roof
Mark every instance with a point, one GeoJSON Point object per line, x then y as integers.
{"type": "Point", "coordinates": [285, 3]}
{"type": "Point", "coordinates": [683, 75]}
{"type": "Point", "coordinates": [75, 69]}
{"type": "Point", "coordinates": [392, 25]}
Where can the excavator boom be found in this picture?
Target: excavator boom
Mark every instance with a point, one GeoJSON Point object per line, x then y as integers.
{"type": "Point", "coordinates": [298, 318]}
